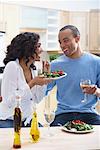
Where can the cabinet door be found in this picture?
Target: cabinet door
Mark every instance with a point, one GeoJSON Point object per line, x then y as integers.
{"type": "Point", "coordinates": [8, 25]}
{"type": "Point", "coordinates": [94, 26]}
{"type": "Point", "coordinates": [80, 20]}
{"type": "Point", "coordinates": [64, 18]}
{"type": "Point", "coordinates": [11, 25]}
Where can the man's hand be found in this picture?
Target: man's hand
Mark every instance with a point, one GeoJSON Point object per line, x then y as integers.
{"type": "Point", "coordinates": [90, 89]}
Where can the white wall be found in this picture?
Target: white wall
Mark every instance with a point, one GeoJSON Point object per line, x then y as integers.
{"type": "Point", "coordinates": [60, 4]}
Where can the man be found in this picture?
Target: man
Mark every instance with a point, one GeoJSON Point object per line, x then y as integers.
{"type": "Point", "coordinates": [78, 65]}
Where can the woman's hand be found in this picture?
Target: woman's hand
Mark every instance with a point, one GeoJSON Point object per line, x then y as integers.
{"type": "Point", "coordinates": [42, 80]}
{"type": "Point", "coordinates": [46, 66]}
{"type": "Point", "coordinates": [39, 81]}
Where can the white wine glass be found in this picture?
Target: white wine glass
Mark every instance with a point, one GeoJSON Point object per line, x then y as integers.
{"type": "Point", "coordinates": [49, 114]}
{"type": "Point", "coordinates": [49, 117]}
{"type": "Point", "coordinates": [84, 84]}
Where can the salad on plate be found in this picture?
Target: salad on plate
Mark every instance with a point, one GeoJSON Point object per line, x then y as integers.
{"type": "Point", "coordinates": [54, 74]}
{"type": "Point", "coordinates": [77, 126]}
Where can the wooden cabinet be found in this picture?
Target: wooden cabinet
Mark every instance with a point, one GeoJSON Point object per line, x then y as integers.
{"type": "Point", "coordinates": [88, 23]}
{"type": "Point", "coordinates": [9, 24]}
{"type": "Point", "coordinates": [94, 30]}
{"type": "Point", "coordinates": [9, 21]}
{"type": "Point", "coordinates": [81, 21]}
{"type": "Point", "coordinates": [63, 18]}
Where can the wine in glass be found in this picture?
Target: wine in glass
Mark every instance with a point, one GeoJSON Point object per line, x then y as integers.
{"type": "Point", "coordinates": [84, 84]}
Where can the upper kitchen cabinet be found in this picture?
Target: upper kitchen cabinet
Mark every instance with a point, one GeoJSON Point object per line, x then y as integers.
{"type": "Point", "coordinates": [9, 20]}
{"type": "Point", "coordinates": [64, 18]}
{"type": "Point", "coordinates": [81, 21]}
{"type": "Point", "coordinates": [34, 20]}
{"type": "Point", "coordinates": [52, 30]}
{"type": "Point", "coordinates": [43, 21]}
{"type": "Point", "coordinates": [31, 17]}
{"type": "Point", "coordinates": [94, 30]}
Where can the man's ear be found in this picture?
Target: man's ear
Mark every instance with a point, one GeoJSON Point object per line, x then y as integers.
{"type": "Point", "coordinates": [77, 39]}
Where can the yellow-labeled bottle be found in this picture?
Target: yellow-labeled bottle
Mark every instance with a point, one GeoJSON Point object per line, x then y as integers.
{"type": "Point", "coordinates": [17, 124]}
{"type": "Point", "coordinates": [34, 131]}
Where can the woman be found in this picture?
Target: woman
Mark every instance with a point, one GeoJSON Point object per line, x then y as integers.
{"type": "Point", "coordinates": [20, 73]}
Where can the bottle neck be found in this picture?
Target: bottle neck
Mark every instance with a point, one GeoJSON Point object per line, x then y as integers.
{"type": "Point", "coordinates": [35, 120]}
{"type": "Point", "coordinates": [18, 98]}
{"type": "Point", "coordinates": [18, 102]}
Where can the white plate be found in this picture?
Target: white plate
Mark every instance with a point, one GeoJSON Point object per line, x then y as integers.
{"type": "Point", "coordinates": [56, 78]}
{"type": "Point", "coordinates": [75, 131]}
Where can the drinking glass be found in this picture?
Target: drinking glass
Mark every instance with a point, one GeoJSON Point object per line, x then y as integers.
{"type": "Point", "coordinates": [49, 114]}
{"type": "Point", "coordinates": [44, 57]}
{"type": "Point", "coordinates": [84, 84]}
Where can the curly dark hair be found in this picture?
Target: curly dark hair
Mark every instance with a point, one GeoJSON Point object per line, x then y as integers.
{"type": "Point", "coordinates": [23, 45]}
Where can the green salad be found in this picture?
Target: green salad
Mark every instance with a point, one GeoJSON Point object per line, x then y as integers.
{"type": "Point", "coordinates": [78, 125]}
{"type": "Point", "coordinates": [54, 74]}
